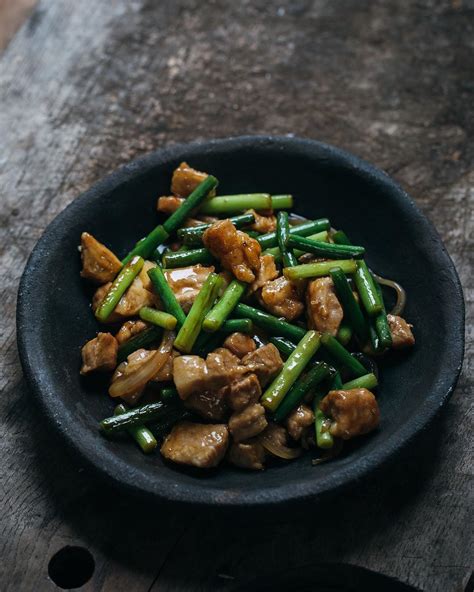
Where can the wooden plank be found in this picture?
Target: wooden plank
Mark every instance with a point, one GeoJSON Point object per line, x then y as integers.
{"type": "Point", "coordinates": [86, 86]}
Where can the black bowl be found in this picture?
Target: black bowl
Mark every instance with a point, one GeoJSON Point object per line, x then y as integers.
{"type": "Point", "coordinates": [54, 317]}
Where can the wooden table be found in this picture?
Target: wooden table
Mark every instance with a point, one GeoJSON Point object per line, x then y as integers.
{"type": "Point", "coordinates": [86, 86]}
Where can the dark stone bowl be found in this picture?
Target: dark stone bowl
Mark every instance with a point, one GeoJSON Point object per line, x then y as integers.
{"type": "Point", "coordinates": [54, 317]}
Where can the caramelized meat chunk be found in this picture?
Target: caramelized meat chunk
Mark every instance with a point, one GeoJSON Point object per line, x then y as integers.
{"type": "Point", "coordinates": [185, 180]}
{"type": "Point", "coordinates": [298, 420]}
{"type": "Point", "coordinates": [99, 264]}
{"type": "Point", "coordinates": [99, 354]}
{"type": "Point", "coordinates": [401, 331]}
{"type": "Point", "coordinates": [247, 423]}
{"type": "Point", "coordinates": [266, 362]}
{"type": "Point", "coordinates": [189, 374]}
{"type": "Point", "coordinates": [192, 374]}
{"type": "Point", "coordinates": [129, 329]}
{"type": "Point", "coordinates": [354, 412]}
{"type": "Point", "coordinates": [167, 204]}
{"type": "Point", "coordinates": [280, 297]}
{"type": "Point", "coordinates": [186, 283]}
{"type": "Point", "coordinates": [198, 445]}
{"type": "Point", "coordinates": [247, 455]}
{"type": "Point", "coordinates": [243, 392]}
{"type": "Point", "coordinates": [237, 251]}
{"type": "Point", "coordinates": [240, 344]}
{"type": "Point", "coordinates": [263, 224]}
{"type": "Point", "coordinates": [209, 405]}
{"type": "Point", "coordinates": [324, 309]}
{"type": "Point", "coordinates": [266, 273]}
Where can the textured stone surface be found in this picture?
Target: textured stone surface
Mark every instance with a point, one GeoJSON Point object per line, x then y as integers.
{"type": "Point", "coordinates": [85, 87]}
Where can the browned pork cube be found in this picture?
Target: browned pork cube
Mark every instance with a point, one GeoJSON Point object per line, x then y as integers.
{"type": "Point", "coordinates": [247, 423]}
{"type": "Point", "coordinates": [167, 204]}
{"type": "Point", "coordinates": [247, 455]}
{"type": "Point", "coordinates": [195, 444]}
{"type": "Point", "coordinates": [266, 272]}
{"type": "Point", "coordinates": [401, 331]}
{"type": "Point", "coordinates": [129, 329]}
{"type": "Point", "coordinates": [208, 405]}
{"type": "Point", "coordinates": [281, 298]}
{"type": "Point", "coordinates": [185, 180]}
{"type": "Point", "coordinates": [99, 264]}
{"type": "Point", "coordinates": [186, 283]}
{"type": "Point", "coordinates": [353, 413]}
{"type": "Point", "coordinates": [243, 392]}
{"type": "Point", "coordinates": [324, 309]}
{"type": "Point", "coordinates": [263, 224]}
{"type": "Point", "coordinates": [192, 374]}
{"type": "Point", "coordinates": [240, 344]}
{"type": "Point", "coordinates": [237, 251]}
{"type": "Point", "coordinates": [298, 420]}
{"type": "Point", "coordinates": [265, 361]}
{"type": "Point", "coordinates": [100, 354]}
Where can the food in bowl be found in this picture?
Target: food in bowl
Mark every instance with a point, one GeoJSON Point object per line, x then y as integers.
{"type": "Point", "coordinates": [238, 331]}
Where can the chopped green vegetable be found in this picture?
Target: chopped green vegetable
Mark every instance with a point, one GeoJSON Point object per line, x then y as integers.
{"type": "Point", "coordinates": [272, 324]}
{"type": "Point", "coordinates": [313, 270]}
{"type": "Point", "coordinates": [133, 417]}
{"type": "Point", "coordinates": [352, 311]}
{"type": "Point", "coordinates": [303, 385]}
{"type": "Point", "coordinates": [157, 317]}
{"type": "Point", "coordinates": [188, 258]}
{"type": "Point", "coordinates": [119, 286]}
{"type": "Point", "coordinates": [322, 249]}
{"type": "Point", "coordinates": [166, 294]}
{"type": "Point", "coordinates": [226, 304]}
{"type": "Point", "coordinates": [322, 423]}
{"type": "Point", "coordinates": [368, 381]}
{"type": "Point", "coordinates": [291, 370]}
{"type": "Point", "coordinates": [141, 434]}
{"type": "Point", "coordinates": [283, 234]}
{"type": "Point", "coordinates": [341, 354]}
{"type": "Point", "coordinates": [191, 327]}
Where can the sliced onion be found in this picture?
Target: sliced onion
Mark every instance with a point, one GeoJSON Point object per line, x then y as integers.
{"type": "Point", "coordinates": [128, 384]}
{"type": "Point", "coordinates": [279, 450]}
{"type": "Point", "coordinates": [401, 294]}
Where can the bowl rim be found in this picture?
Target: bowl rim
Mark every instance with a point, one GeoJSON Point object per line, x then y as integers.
{"type": "Point", "coordinates": [204, 496]}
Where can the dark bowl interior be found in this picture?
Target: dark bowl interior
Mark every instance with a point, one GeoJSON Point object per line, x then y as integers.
{"type": "Point", "coordinates": [54, 317]}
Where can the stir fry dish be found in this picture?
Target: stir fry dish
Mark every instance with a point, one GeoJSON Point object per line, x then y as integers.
{"type": "Point", "coordinates": [239, 332]}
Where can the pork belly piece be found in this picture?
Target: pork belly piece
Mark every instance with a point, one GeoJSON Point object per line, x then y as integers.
{"type": "Point", "coordinates": [265, 362]}
{"type": "Point", "coordinates": [195, 444]}
{"type": "Point", "coordinates": [185, 179]}
{"type": "Point", "coordinates": [99, 264]}
{"type": "Point", "coordinates": [323, 308]}
{"type": "Point", "coordinates": [353, 412]}
{"type": "Point", "coordinates": [99, 354]}
{"type": "Point", "coordinates": [247, 455]}
{"type": "Point", "coordinates": [247, 423]}
{"type": "Point", "coordinates": [299, 420]}
{"type": "Point", "coordinates": [281, 298]}
{"type": "Point", "coordinates": [402, 335]}
{"type": "Point", "coordinates": [236, 250]}
{"type": "Point", "coordinates": [240, 344]}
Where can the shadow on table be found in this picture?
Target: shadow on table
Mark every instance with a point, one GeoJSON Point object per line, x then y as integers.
{"type": "Point", "coordinates": [152, 539]}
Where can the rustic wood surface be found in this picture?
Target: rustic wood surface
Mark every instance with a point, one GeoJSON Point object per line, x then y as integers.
{"type": "Point", "coordinates": [86, 86]}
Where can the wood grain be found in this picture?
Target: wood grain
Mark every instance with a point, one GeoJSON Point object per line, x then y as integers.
{"type": "Point", "coordinates": [86, 86]}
